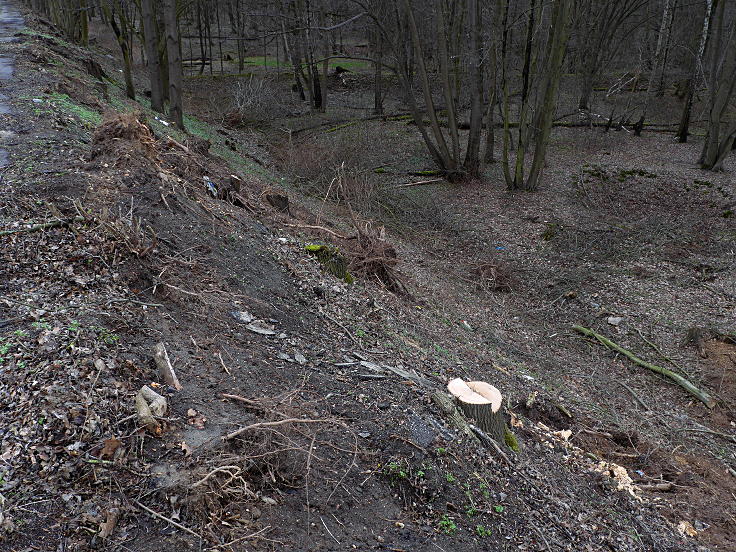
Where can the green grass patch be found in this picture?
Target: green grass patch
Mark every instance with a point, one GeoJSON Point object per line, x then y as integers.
{"type": "Point", "coordinates": [86, 116]}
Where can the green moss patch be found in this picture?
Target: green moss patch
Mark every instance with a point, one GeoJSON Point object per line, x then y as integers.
{"type": "Point", "coordinates": [332, 261]}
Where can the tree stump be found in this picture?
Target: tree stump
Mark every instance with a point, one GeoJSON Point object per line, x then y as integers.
{"type": "Point", "coordinates": [482, 402]}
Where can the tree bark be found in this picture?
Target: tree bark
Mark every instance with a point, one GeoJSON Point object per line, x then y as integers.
{"type": "Point", "coordinates": [150, 34]}
{"type": "Point", "coordinates": [176, 85]}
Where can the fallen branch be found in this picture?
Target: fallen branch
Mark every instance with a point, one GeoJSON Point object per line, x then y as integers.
{"type": "Point", "coordinates": [270, 424]}
{"type": "Point", "coordinates": [727, 436]}
{"type": "Point", "coordinates": [420, 183]}
{"type": "Point", "coordinates": [41, 226]}
{"type": "Point", "coordinates": [678, 379]}
{"type": "Point", "coordinates": [322, 228]}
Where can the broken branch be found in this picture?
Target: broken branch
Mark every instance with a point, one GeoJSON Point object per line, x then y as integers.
{"type": "Point", "coordinates": [41, 226]}
{"type": "Point", "coordinates": [704, 397]}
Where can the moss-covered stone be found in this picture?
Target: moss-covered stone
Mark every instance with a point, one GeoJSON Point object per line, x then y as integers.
{"type": "Point", "coordinates": [331, 259]}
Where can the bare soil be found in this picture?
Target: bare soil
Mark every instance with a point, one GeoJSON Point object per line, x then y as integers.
{"type": "Point", "coordinates": [622, 227]}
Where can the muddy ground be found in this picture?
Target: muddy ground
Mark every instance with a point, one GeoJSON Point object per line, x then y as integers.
{"type": "Point", "coordinates": [354, 454]}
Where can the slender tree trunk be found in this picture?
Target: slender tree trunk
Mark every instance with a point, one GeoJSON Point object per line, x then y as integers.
{"type": "Point", "coordinates": [661, 41]}
{"type": "Point", "coordinates": [692, 83]}
{"type": "Point", "coordinates": [176, 85]}
{"type": "Point", "coordinates": [446, 161]}
{"type": "Point", "coordinates": [472, 154]}
{"type": "Point", "coordinates": [150, 34]}
{"type": "Point", "coordinates": [377, 73]}
{"type": "Point", "coordinates": [121, 34]}
{"type": "Point", "coordinates": [558, 36]}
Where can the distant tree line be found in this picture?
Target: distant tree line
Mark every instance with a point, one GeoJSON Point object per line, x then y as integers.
{"type": "Point", "coordinates": [467, 69]}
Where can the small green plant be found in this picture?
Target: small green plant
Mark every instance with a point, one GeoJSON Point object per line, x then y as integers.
{"type": "Point", "coordinates": [484, 490]}
{"type": "Point", "coordinates": [106, 336]}
{"type": "Point", "coordinates": [471, 510]}
{"type": "Point", "coordinates": [447, 526]}
{"type": "Point", "coordinates": [396, 471]}
{"type": "Point", "coordinates": [20, 333]}
{"type": "Point", "coordinates": [4, 349]}
{"type": "Point", "coordinates": [450, 478]}
{"type": "Point", "coordinates": [420, 473]}
{"type": "Point", "coordinates": [498, 509]}
{"type": "Point", "coordinates": [361, 333]}
{"type": "Point", "coordinates": [482, 531]}
{"type": "Point", "coordinates": [41, 325]}
{"type": "Point", "coordinates": [441, 350]}
{"type": "Point", "coordinates": [440, 451]}
{"type": "Point", "coordinates": [73, 326]}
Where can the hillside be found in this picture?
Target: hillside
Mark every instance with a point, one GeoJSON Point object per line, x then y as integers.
{"type": "Point", "coordinates": [112, 242]}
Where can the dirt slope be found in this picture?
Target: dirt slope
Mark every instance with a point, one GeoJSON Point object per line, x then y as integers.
{"type": "Point", "coordinates": [356, 456]}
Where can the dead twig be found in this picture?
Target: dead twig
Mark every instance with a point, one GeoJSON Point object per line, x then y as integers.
{"type": "Point", "coordinates": [241, 539]}
{"type": "Point", "coordinates": [259, 425]}
{"type": "Point", "coordinates": [322, 228]}
{"type": "Point", "coordinates": [217, 470]}
{"type": "Point", "coordinates": [168, 520]}
{"type": "Point", "coordinates": [727, 436]}
{"type": "Point", "coordinates": [223, 364]}
{"type": "Point", "coordinates": [637, 397]}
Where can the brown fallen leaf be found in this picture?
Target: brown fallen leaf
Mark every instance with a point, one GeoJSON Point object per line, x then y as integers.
{"type": "Point", "coordinates": [186, 448]}
{"type": "Point", "coordinates": [109, 447]}
{"type": "Point", "coordinates": [108, 526]}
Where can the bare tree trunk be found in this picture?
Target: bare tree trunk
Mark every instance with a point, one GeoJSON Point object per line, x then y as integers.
{"type": "Point", "coordinates": [558, 36]}
{"type": "Point", "coordinates": [377, 73]}
{"type": "Point", "coordinates": [472, 154]}
{"type": "Point", "coordinates": [447, 87]}
{"type": "Point", "coordinates": [661, 40]}
{"type": "Point", "coordinates": [150, 34]}
{"type": "Point", "coordinates": [121, 34]}
{"type": "Point", "coordinates": [444, 158]}
{"type": "Point", "coordinates": [176, 86]}
{"type": "Point", "coordinates": [692, 83]}
{"type": "Point", "coordinates": [717, 142]}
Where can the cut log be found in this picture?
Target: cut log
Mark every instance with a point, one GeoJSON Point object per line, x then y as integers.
{"type": "Point", "coordinates": [482, 402]}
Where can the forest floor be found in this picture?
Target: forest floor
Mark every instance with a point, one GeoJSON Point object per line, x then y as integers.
{"type": "Point", "coordinates": [626, 237]}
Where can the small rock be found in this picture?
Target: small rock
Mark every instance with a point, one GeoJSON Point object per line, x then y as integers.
{"type": "Point", "coordinates": [614, 320]}
{"type": "Point", "coordinates": [284, 356]}
{"type": "Point", "coordinates": [243, 317]}
{"type": "Point", "coordinates": [364, 434]}
{"type": "Point", "coordinates": [268, 500]}
{"type": "Point", "coordinates": [300, 358]}
{"type": "Point", "coordinates": [260, 328]}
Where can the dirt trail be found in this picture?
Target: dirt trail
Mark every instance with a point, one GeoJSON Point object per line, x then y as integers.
{"type": "Point", "coordinates": [10, 23]}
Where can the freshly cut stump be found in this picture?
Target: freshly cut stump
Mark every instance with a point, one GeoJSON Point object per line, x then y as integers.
{"type": "Point", "coordinates": [482, 402]}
